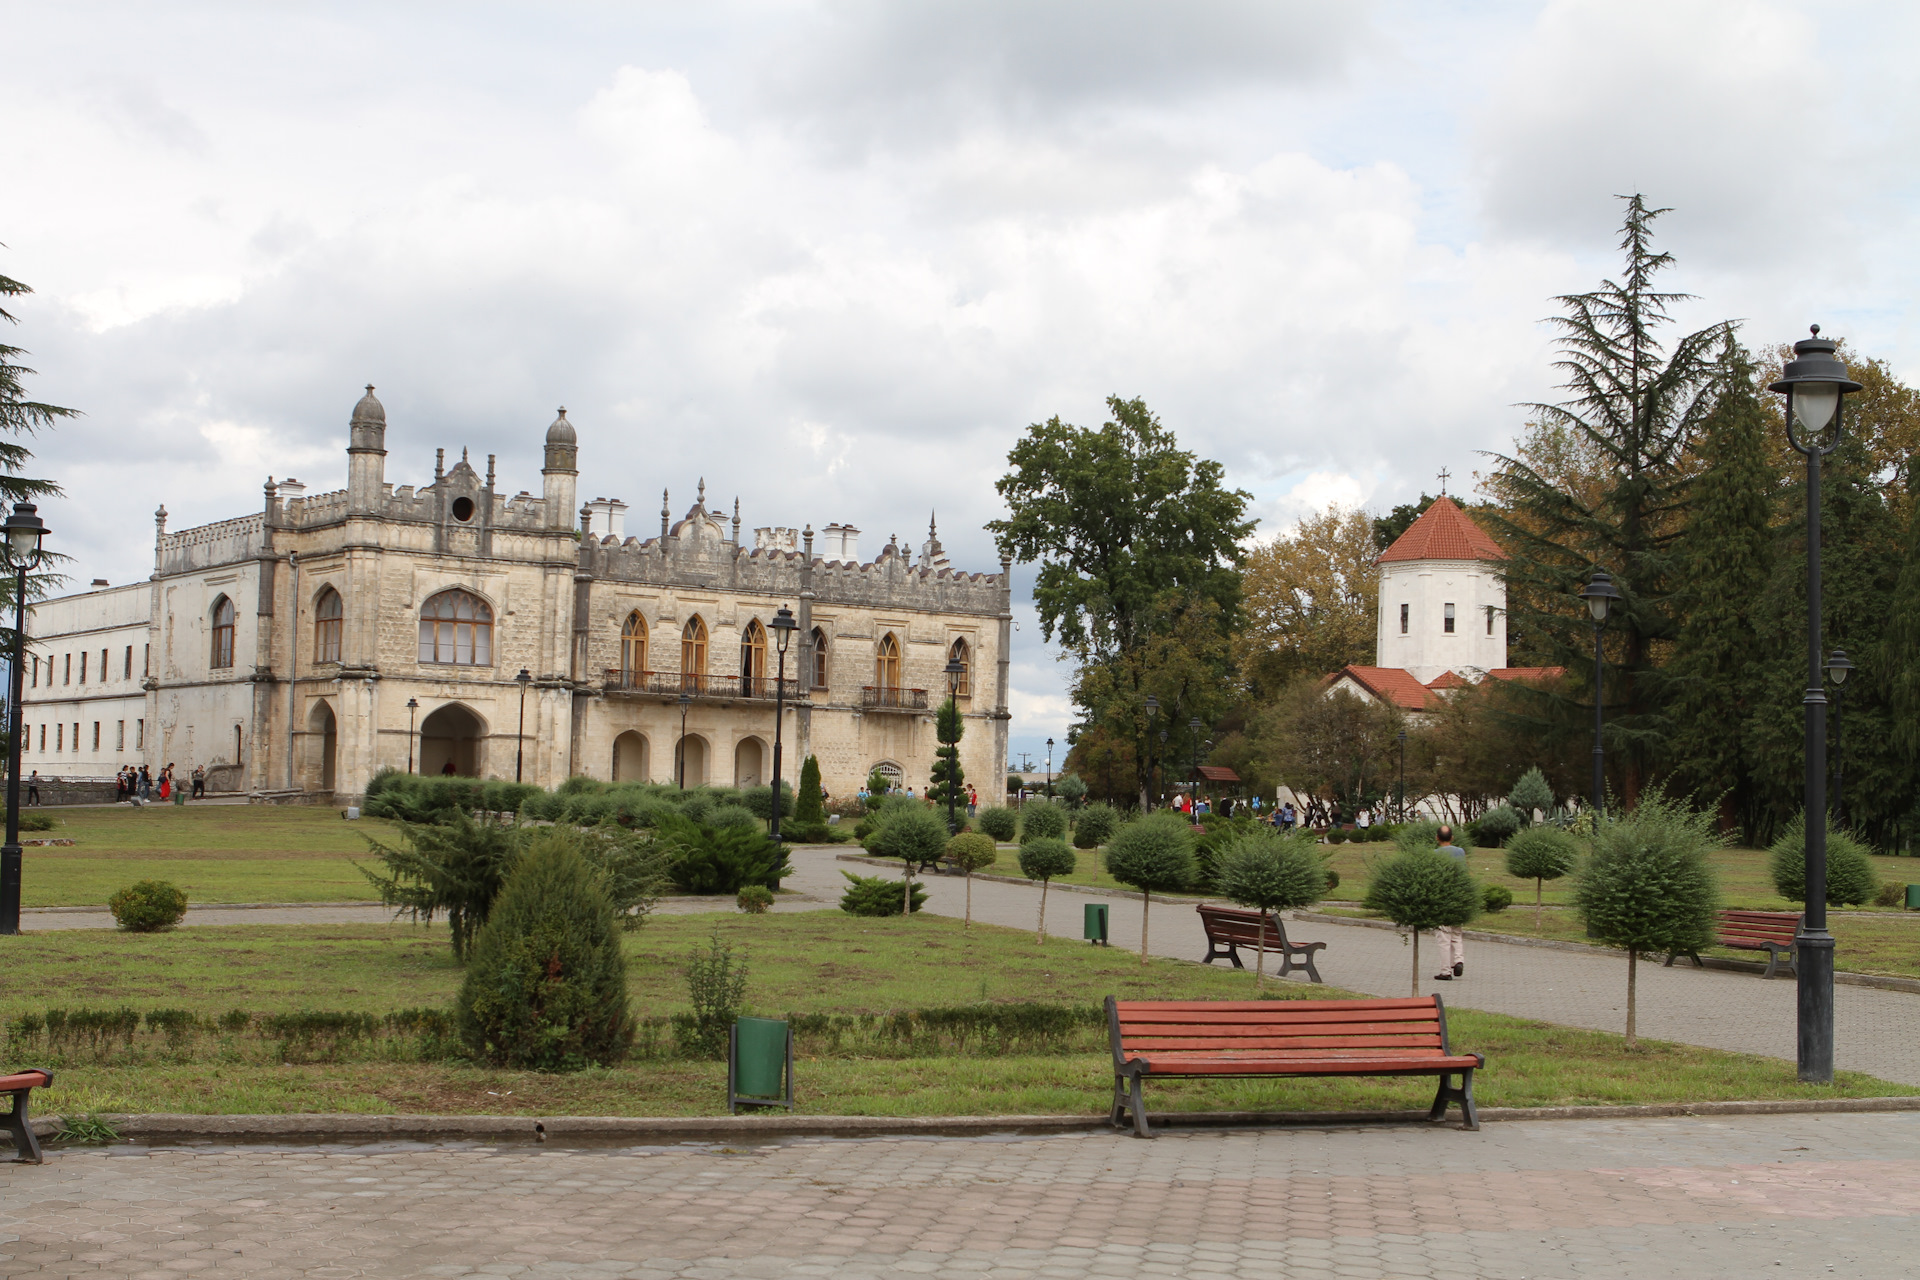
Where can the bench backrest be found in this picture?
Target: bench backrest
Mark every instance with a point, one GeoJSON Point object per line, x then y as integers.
{"type": "Point", "coordinates": [1776, 926]}
{"type": "Point", "coordinates": [1242, 927]}
{"type": "Point", "coordinates": [1412, 1027]}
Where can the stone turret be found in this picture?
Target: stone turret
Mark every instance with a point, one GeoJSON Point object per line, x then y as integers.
{"type": "Point", "coordinates": [560, 476]}
{"type": "Point", "coordinates": [366, 454]}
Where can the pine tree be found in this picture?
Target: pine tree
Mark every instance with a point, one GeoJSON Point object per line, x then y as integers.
{"type": "Point", "coordinates": [948, 727]}
{"type": "Point", "coordinates": [807, 809]}
{"type": "Point", "coordinates": [1899, 659]}
{"type": "Point", "coordinates": [19, 416]}
{"type": "Point", "coordinates": [1727, 555]}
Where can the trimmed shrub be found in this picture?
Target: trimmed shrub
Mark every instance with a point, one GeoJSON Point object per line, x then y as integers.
{"type": "Point", "coordinates": [1496, 897]}
{"type": "Point", "coordinates": [36, 822]}
{"type": "Point", "coordinates": [911, 832]}
{"type": "Point", "coordinates": [759, 801]}
{"type": "Point", "coordinates": [1494, 826]}
{"type": "Point", "coordinates": [1271, 871]}
{"type": "Point", "coordinates": [1094, 825]}
{"type": "Point", "coordinates": [808, 809]}
{"type": "Point", "coordinates": [148, 906]}
{"type": "Point", "coordinates": [874, 896]}
{"type": "Point", "coordinates": [972, 851]}
{"type": "Point", "coordinates": [1851, 878]}
{"type": "Point", "coordinates": [1000, 822]}
{"type": "Point", "coordinates": [1333, 879]}
{"type": "Point", "coordinates": [1414, 837]}
{"type": "Point", "coordinates": [721, 860]}
{"type": "Point", "coordinates": [755, 899]}
{"type": "Point", "coordinates": [738, 815]}
{"type": "Point", "coordinates": [1071, 788]}
{"type": "Point", "coordinates": [1540, 854]}
{"type": "Point", "coordinates": [1042, 859]}
{"type": "Point", "coordinates": [1336, 835]}
{"type": "Point", "coordinates": [1531, 792]}
{"type": "Point", "coordinates": [1153, 855]}
{"type": "Point", "coordinates": [546, 985]}
{"type": "Point", "coordinates": [1421, 889]}
{"type": "Point", "coordinates": [1042, 820]}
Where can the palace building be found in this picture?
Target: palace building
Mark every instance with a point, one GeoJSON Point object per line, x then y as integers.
{"type": "Point", "coordinates": [297, 651]}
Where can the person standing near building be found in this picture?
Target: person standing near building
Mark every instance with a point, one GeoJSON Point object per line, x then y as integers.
{"type": "Point", "coordinates": [199, 782]}
{"type": "Point", "coordinates": [33, 788]}
{"type": "Point", "coordinates": [1453, 951]}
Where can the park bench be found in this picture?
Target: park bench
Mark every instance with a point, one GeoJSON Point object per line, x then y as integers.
{"type": "Point", "coordinates": [1769, 931]}
{"type": "Point", "coordinates": [1230, 928]}
{"type": "Point", "coordinates": [20, 1085]}
{"type": "Point", "coordinates": [1208, 1039]}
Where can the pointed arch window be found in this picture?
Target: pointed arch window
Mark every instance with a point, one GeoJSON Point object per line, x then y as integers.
{"type": "Point", "coordinates": [693, 647]}
{"type": "Point", "coordinates": [819, 642]}
{"type": "Point", "coordinates": [886, 662]}
{"type": "Point", "coordinates": [633, 647]}
{"type": "Point", "coordinates": [328, 614]}
{"type": "Point", "coordinates": [962, 652]}
{"type": "Point", "coordinates": [456, 627]}
{"type": "Point", "coordinates": [753, 651]}
{"type": "Point", "coordinates": [223, 615]}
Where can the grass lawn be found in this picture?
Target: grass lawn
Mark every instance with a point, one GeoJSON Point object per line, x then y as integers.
{"type": "Point", "coordinates": [816, 962]}
{"type": "Point", "coordinates": [216, 853]}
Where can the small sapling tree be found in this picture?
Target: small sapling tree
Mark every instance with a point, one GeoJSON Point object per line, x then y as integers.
{"type": "Point", "coordinates": [1424, 889]}
{"type": "Point", "coordinates": [1043, 820]}
{"type": "Point", "coordinates": [913, 833]}
{"type": "Point", "coordinates": [1042, 860]}
{"type": "Point", "coordinates": [1540, 854]}
{"type": "Point", "coordinates": [1153, 855]}
{"type": "Point", "coordinates": [971, 851]}
{"type": "Point", "coordinates": [1271, 871]}
{"type": "Point", "coordinates": [1648, 886]}
{"type": "Point", "coordinates": [1529, 793]}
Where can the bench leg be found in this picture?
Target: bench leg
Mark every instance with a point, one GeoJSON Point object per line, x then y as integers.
{"type": "Point", "coordinates": [1306, 958]}
{"type": "Point", "coordinates": [1463, 1095]}
{"type": "Point", "coordinates": [1214, 952]}
{"type": "Point", "coordinates": [26, 1146]}
{"type": "Point", "coordinates": [1117, 1114]}
{"type": "Point", "coordinates": [1139, 1109]}
{"type": "Point", "coordinates": [1775, 955]}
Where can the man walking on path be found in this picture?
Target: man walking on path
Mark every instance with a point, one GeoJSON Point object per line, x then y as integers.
{"type": "Point", "coordinates": [33, 788]}
{"type": "Point", "coordinates": [1453, 950]}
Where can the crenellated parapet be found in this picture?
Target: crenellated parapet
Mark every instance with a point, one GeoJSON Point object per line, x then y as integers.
{"type": "Point", "coordinates": [210, 545]}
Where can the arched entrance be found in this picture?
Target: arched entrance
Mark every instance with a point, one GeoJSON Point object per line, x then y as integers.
{"type": "Point", "coordinates": [630, 763]}
{"type": "Point", "coordinates": [695, 751]}
{"type": "Point", "coordinates": [450, 736]}
{"type": "Point", "coordinates": [750, 763]}
{"type": "Point", "coordinates": [323, 745]}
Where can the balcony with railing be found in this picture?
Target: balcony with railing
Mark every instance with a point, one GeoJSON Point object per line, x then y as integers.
{"type": "Point", "coordinates": [892, 698]}
{"type": "Point", "coordinates": [670, 684]}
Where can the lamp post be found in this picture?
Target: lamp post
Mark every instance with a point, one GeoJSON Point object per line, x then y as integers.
{"type": "Point", "coordinates": [680, 771]}
{"type": "Point", "coordinates": [24, 533]}
{"type": "Point", "coordinates": [413, 707]}
{"type": "Point", "coordinates": [1153, 720]}
{"type": "Point", "coordinates": [1401, 807]}
{"type": "Point", "coordinates": [783, 629]}
{"type": "Point", "coordinates": [954, 669]}
{"type": "Point", "coordinates": [1599, 594]}
{"type": "Point", "coordinates": [1160, 771]}
{"type": "Point", "coordinates": [1193, 783]}
{"type": "Point", "coordinates": [1838, 669]}
{"type": "Point", "coordinates": [524, 679]}
{"type": "Point", "coordinates": [1814, 383]}
{"type": "Point", "coordinates": [1049, 768]}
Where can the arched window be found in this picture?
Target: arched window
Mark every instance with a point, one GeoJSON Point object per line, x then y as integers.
{"type": "Point", "coordinates": [962, 652]}
{"type": "Point", "coordinates": [753, 651]}
{"type": "Point", "coordinates": [886, 663]}
{"type": "Point", "coordinates": [633, 646]}
{"type": "Point", "coordinates": [457, 627]}
{"type": "Point", "coordinates": [222, 632]}
{"type": "Point", "coordinates": [693, 647]}
{"type": "Point", "coordinates": [327, 615]}
{"type": "Point", "coordinates": [819, 658]}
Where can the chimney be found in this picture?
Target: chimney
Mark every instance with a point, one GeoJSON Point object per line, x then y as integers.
{"type": "Point", "coordinates": [99, 582]}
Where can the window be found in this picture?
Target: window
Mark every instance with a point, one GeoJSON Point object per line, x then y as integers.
{"type": "Point", "coordinates": [43, 737]}
{"type": "Point", "coordinates": [66, 669]}
{"type": "Point", "coordinates": [633, 645]}
{"type": "Point", "coordinates": [1405, 611]}
{"type": "Point", "coordinates": [139, 734]}
{"type": "Point", "coordinates": [327, 614]}
{"type": "Point", "coordinates": [36, 672]}
{"type": "Point", "coordinates": [222, 633]}
{"type": "Point", "coordinates": [96, 735]}
{"type": "Point", "coordinates": [83, 668]}
{"type": "Point", "coordinates": [26, 741]}
{"type": "Point", "coordinates": [76, 737]}
{"type": "Point", "coordinates": [693, 647]}
{"type": "Point", "coordinates": [1447, 622]}
{"type": "Point", "coordinates": [1489, 619]}
{"type": "Point", "coordinates": [457, 627]}
{"type": "Point", "coordinates": [961, 653]}
{"type": "Point", "coordinates": [146, 660]}
{"type": "Point", "coordinates": [103, 666]}
{"type": "Point", "coordinates": [129, 671]}
{"type": "Point", "coordinates": [753, 651]}
{"type": "Point", "coordinates": [120, 736]}
{"type": "Point", "coordinates": [60, 737]}
{"type": "Point", "coordinates": [886, 663]}
{"type": "Point", "coordinates": [819, 658]}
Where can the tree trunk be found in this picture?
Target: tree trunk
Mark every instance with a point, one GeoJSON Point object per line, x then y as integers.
{"type": "Point", "coordinates": [1633, 958]}
{"type": "Point", "coordinates": [1146, 901]}
{"type": "Point", "coordinates": [906, 895]}
{"type": "Point", "coordinates": [969, 923]}
{"type": "Point", "coordinates": [1260, 958]}
{"type": "Point", "coordinates": [1537, 882]}
{"type": "Point", "coordinates": [1040, 934]}
{"type": "Point", "coordinates": [1416, 962]}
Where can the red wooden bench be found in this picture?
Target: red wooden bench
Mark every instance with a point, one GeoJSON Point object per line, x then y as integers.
{"type": "Point", "coordinates": [1769, 931]}
{"type": "Point", "coordinates": [1230, 928]}
{"type": "Point", "coordinates": [1173, 1039]}
{"type": "Point", "coordinates": [20, 1085]}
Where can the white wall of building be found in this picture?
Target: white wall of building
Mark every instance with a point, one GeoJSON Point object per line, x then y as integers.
{"type": "Point", "coordinates": [1424, 588]}
{"type": "Point", "coordinates": [84, 705]}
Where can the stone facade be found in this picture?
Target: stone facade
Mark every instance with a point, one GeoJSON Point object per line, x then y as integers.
{"type": "Point", "coordinates": [291, 643]}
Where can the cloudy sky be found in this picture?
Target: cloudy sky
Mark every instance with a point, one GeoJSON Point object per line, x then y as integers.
{"type": "Point", "coordinates": [834, 257]}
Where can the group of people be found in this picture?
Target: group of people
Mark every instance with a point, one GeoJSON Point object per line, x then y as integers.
{"type": "Point", "coordinates": [866, 796]}
{"type": "Point", "coordinates": [139, 783]}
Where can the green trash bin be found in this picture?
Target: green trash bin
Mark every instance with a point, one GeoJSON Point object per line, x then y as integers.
{"type": "Point", "coordinates": [759, 1064]}
{"type": "Point", "coordinates": [1095, 929]}
{"type": "Point", "coordinates": [1913, 897]}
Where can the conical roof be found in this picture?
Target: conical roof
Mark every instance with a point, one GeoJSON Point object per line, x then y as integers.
{"type": "Point", "coordinates": [1443, 532]}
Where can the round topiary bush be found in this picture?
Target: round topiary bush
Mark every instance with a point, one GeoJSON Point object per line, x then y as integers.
{"type": "Point", "coordinates": [1041, 820]}
{"type": "Point", "coordinates": [1851, 878]}
{"type": "Point", "coordinates": [1269, 871]}
{"type": "Point", "coordinates": [999, 822]}
{"type": "Point", "coordinates": [734, 815]}
{"type": "Point", "coordinates": [148, 906]}
{"type": "Point", "coordinates": [1422, 889]}
{"type": "Point", "coordinates": [1094, 825]}
{"type": "Point", "coordinates": [1043, 858]}
{"type": "Point", "coordinates": [1336, 835]}
{"type": "Point", "coordinates": [1540, 854]}
{"type": "Point", "coordinates": [1496, 897]}
{"type": "Point", "coordinates": [546, 984]}
{"type": "Point", "coordinates": [875, 896]}
{"type": "Point", "coordinates": [1495, 825]}
{"type": "Point", "coordinates": [1153, 855]}
{"type": "Point", "coordinates": [755, 899]}
{"type": "Point", "coordinates": [914, 833]}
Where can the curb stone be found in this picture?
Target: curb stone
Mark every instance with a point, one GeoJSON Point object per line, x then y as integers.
{"type": "Point", "coordinates": [685, 1128]}
{"type": "Point", "coordinates": [1068, 885]}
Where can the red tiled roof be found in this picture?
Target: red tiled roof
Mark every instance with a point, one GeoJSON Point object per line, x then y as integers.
{"type": "Point", "coordinates": [1527, 673]}
{"type": "Point", "coordinates": [1443, 532]}
{"type": "Point", "coordinates": [1448, 680]}
{"type": "Point", "coordinates": [1390, 684]}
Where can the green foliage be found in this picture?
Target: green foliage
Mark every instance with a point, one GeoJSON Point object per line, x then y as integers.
{"type": "Point", "coordinates": [1647, 886]}
{"type": "Point", "coordinates": [759, 801]}
{"type": "Point", "coordinates": [1336, 835]}
{"type": "Point", "coordinates": [1041, 820]}
{"type": "Point", "coordinates": [875, 896]}
{"type": "Point", "coordinates": [1495, 825]}
{"type": "Point", "coordinates": [1496, 897]}
{"type": "Point", "coordinates": [148, 906]}
{"type": "Point", "coordinates": [409, 797]}
{"type": "Point", "coordinates": [1531, 792]}
{"type": "Point", "coordinates": [878, 784]}
{"type": "Point", "coordinates": [1044, 858]}
{"type": "Point", "coordinates": [717, 990]}
{"type": "Point", "coordinates": [1542, 853]}
{"type": "Point", "coordinates": [1269, 870]}
{"type": "Point", "coordinates": [87, 1130]}
{"type": "Point", "coordinates": [755, 899]}
{"type": "Point", "coordinates": [721, 860]}
{"type": "Point", "coordinates": [1851, 878]}
{"type": "Point", "coordinates": [738, 815]}
{"type": "Point", "coordinates": [807, 808]}
{"type": "Point", "coordinates": [1413, 837]}
{"type": "Point", "coordinates": [948, 728]}
{"type": "Point", "coordinates": [1220, 832]}
{"type": "Point", "coordinates": [546, 984]}
{"type": "Point", "coordinates": [972, 851]}
{"type": "Point", "coordinates": [1071, 788]}
{"type": "Point", "coordinates": [911, 832]}
{"type": "Point", "coordinates": [1153, 855]}
{"type": "Point", "coordinates": [1094, 825]}
{"type": "Point", "coordinates": [20, 416]}
{"type": "Point", "coordinates": [35, 821]}
{"type": "Point", "coordinates": [1421, 889]}
{"type": "Point", "coordinates": [1000, 822]}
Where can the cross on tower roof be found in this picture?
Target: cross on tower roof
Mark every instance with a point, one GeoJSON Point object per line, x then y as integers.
{"type": "Point", "coordinates": [1444, 475]}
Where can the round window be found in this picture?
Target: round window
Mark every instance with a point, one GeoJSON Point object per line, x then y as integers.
{"type": "Point", "coordinates": [463, 509]}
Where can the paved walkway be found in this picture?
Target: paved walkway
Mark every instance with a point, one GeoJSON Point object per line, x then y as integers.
{"type": "Point", "coordinates": [1774, 1196]}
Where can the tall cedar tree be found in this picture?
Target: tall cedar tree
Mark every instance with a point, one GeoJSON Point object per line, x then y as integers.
{"type": "Point", "coordinates": [1121, 521]}
{"type": "Point", "coordinates": [1899, 659]}
{"type": "Point", "coordinates": [19, 416]}
{"type": "Point", "coordinates": [1633, 409]}
{"type": "Point", "coordinates": [1713, 678]}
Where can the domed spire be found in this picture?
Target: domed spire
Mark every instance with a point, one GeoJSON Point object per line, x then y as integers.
{"type": "Point", "coordinates": [561, 432]}
{"type": "Point", "coordinates": [369, 412]}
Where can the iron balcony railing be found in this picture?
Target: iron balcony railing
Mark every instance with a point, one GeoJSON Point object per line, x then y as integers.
{"type": "Point", "coordinates": [892, 698]}
{"type": "Point", "coordinates": [670, 684]}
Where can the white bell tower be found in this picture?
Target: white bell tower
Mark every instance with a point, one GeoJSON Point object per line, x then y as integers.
{"type": "Point", "coordinates": [1443, 599]}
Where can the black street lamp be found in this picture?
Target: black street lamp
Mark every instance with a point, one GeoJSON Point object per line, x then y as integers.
{"type": "Point", "coordinates": [1599, 594]}
{"type": "Point", "coordinates": [24, 533]}
{"type": "Point", "coordinates": [954, 669]}
{"type": "Point", "coordinates": [413, 707]}
{"type": "Point", "coordinates": [1838, 669]}
{"type": "Point", "coordinates": [783, 629]}
{"type": "Point", "coordinates": [1814, 384]}
{"type": "Point", "coordinates": [1193, 784]}
{"type": "Point", "coordinates": [1049, 768]}
{"type": "Point", "coordinates": [1153, 719]}
{"type": "Point", "coordinates": [524, 679]}
{"type": "Point", "coordinates": [681, 763]}
{"type": "Point", "coordinates": [1401, 806]}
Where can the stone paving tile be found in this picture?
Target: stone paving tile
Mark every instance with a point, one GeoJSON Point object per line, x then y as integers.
{"type": "Point", "coordinates": [1694, 1197]}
